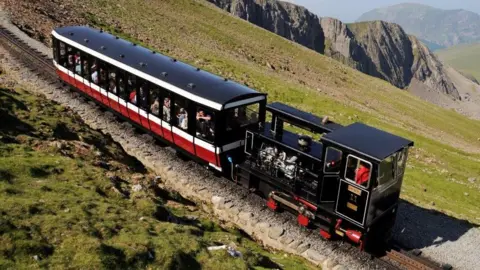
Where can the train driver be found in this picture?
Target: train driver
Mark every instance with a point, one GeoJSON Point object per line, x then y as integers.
{"type": "Point", "coordinates": [362, 174]}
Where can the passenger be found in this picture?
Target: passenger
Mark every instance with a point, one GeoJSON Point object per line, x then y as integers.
{"type": "Point", "coordinates": [155, 108]}
{"type": "Point", "coordinates": [85, 69]}
{"type": "Point", "coordinates": [201, 116]}
{"type": "Point", "coordinates": [133, 97]}
{"type": "Point", "coordinates": [78, 66]}
{"type": "Point", "coordinates": [182, 118]}
{"type": "Point", "coordinates": [362, 174]}
{"type": "Point", "coordinates": [143, 98]}
{"type": "Point", "coordinates": [112, 87]}
{"type": "Point", "coordinates": [166, 109]}
{"type": "Point", "coordinates": [71, 61]}
{"type": "Point", "coordinates": [94, 74]}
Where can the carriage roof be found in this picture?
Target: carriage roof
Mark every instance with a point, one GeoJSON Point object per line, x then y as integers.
{"type": "Point", "coordinates": [181, 78]}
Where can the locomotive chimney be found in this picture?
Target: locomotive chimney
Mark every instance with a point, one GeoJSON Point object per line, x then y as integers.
{"type": "Point", "coordinates": [277, 127]}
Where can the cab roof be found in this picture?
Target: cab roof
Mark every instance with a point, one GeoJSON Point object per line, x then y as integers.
{"type": "Point", "coordinates": [369, 141]}
{"type": "Point", "coordinates": [181, 78]}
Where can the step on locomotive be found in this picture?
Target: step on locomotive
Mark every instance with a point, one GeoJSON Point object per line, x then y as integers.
{"type": "Point", "coordinates": [343, 181]}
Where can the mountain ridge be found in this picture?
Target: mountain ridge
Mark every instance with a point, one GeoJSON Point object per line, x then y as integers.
{"type": "Point", "coordinates": [439, 28]}
{"type": "Point", "coordinates": [380, 49]}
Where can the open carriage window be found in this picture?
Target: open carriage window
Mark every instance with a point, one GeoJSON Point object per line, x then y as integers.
{"type": "Point", "coordinates": [155, 100]}
{"type": "Point", "coordinates": [358, 171]}
{"type": "Point", "coordinates": [142, 93]}
{"type": "Point", "coordinates": [242, 116]}
{"type": "Point", "coordinates": [62, 54]}
{"type": "Point", "coordinates": [181, 112]}
{"type": "Point", "coordinates": [205, 124]}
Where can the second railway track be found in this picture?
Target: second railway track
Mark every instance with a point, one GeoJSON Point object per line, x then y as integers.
{"type": "Point", "coordinates": [42, 66]}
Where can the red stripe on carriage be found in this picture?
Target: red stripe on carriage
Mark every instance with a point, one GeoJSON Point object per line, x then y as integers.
{"type": "Point", "coordinates": [206, 154]}
{"type": "Point", "coordinates": [183, 143]}
{"type": "Point", "coordinates": [144, 121]}
{"type": "Point", "coordinates": [156, 128]}
{"type": "Point", "coordinates": [134, 116]}
{"type": "Point", "coordinates": [167, 134]}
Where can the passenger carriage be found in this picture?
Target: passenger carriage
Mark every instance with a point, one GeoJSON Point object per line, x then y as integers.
{"type": "Point", "coordinates": [158, 93]}
{"type": "Point", "coordinates": [344, 180]}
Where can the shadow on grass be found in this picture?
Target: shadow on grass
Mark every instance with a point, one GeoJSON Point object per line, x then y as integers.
{"type": "Point", "coordinates": [182, 260]}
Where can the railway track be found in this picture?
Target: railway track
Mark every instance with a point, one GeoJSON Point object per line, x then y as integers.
{"type": "Point", "coordinates": [42, 66]}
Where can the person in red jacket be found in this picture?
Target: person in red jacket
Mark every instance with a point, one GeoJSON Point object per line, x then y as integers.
{"type": "Point", "coordinates": [362, 174]}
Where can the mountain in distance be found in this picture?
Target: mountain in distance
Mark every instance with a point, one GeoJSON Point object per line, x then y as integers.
{"type": "Point", "coordinates": [437, 28]}
{"type": "Point", "coordinates": [465, 58]}
{"type": "Point", "coordinates": [378, 48]}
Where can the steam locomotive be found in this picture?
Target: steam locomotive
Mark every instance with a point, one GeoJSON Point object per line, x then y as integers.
{"type": "Point", "coordinates": [343, 181]}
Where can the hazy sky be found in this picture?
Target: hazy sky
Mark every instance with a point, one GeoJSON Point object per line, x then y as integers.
{"type": "Point", "coordinates": [350, 10]}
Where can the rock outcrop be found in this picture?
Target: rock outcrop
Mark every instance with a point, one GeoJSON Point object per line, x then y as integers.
{"type": "Point", "coordinates": [377, 48]}
{"type": "Point", "coordinates": [429, 70]}
{"type": "Point", "coordinates": [285, 19]}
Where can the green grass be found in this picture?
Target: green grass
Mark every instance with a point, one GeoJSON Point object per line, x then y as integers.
{"type": "Point", "coordinates": [447, 145]}
{"type": "Point", "coordinates": [464, 58]}
{"type": "Point", "coordinates": [59, 205]}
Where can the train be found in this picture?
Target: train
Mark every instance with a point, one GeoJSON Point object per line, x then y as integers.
{"type": "Point", "coordinates": [342, 181]}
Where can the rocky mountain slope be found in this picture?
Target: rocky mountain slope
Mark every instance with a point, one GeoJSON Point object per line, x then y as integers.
{"type": "Point", "coordinates": [379, 49]}
{"type": "Point", "coordinates": [436, 27]}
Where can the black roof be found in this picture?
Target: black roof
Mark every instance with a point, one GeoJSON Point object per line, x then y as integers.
{"type": "Point", "coordinates": [206, 85]}
{"type": "Point", "coordinates": [366, 140]}
{"type": "Point", "coordinates": [301, 118]}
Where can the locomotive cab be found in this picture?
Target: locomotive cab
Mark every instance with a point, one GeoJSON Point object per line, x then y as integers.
{"type": "Point", "coordinates": [345, 181]}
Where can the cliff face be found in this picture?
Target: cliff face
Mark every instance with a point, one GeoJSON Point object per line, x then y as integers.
{"type": "Point", "coordinates": [285, 19]}
{"type": "Point", "coordinates": [376, 48]}
{"type": "Point", "coordinates": [429, 70]}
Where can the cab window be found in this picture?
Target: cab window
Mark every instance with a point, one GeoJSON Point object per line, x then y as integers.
{"type": "Point", "coordinates": [333, 160]}
{"type": "Point", "coordinates": [386, 171]}
{"type": "Point", "coordinates": [205, 124]}
{"type": "Point", "coordinates": [358, 171]}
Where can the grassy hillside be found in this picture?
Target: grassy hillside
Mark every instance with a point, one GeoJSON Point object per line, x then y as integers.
{"type": "Point", "coordinates": [464, 58]}
{"type": "Point", "coordinates": [67, 202]}
{"type": "Point", "coordinates": [447, 150]}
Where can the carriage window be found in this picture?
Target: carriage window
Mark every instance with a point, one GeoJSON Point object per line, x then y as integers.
{"type": "Point", "coordinates": [154, 100]}
{"type": "Point", "coordinates": [132, 88]}
{"type": "Point", "coordinates": [55, 49]}
{"type": "Point", "coordinates": [102, 75]}
{"type": "Point", "coordinates": [242, 116]}
{"type": "Point", "coordinates": [122, 92]}
{"type": "Point", "coordinates": [166, 108]}
{"type": "Point", "coordinates": [112, 79]}
{"type": "Point", "coordinates": [358, 171]}
{"type": "Point", "coordinates": [94, 71]}
{"type": "Point", "coordinates": [333, 160]}
{"type": "Point", "coordinates": [180, 109]}
{"type": "Point", "coordinates": [63, 54]}
{"type": "Point", "coordinates": [85, 65]}
{"type": "Point", "coordinates": [78, 62]}
{"type": "Point", "coordinates": [70, 58]}
{"type": "Point", "coordinates": [142, 93]}
{"type": "Point", "coordinates": [205, 124]}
